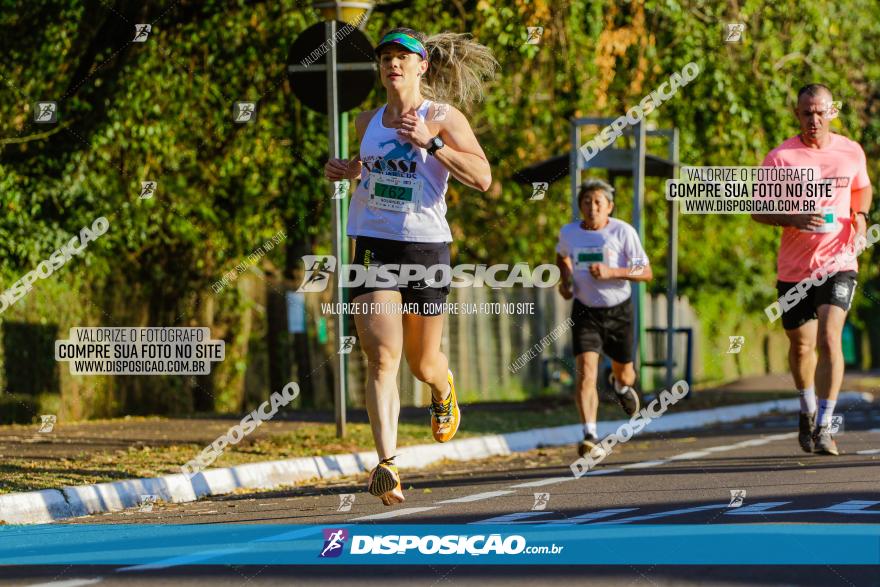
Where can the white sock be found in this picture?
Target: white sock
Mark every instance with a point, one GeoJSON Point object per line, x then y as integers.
{"type": "Point", "coordinates": [808, 400]}
{"type": "Point", "coordinates": [590, 430]}
{"type": "Point", "coordinates": [826, 410]}
{"type": "Point", "coordinates": [618, 387]}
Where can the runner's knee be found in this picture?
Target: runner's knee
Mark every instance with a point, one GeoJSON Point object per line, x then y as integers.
{"type": "Point", "coordinates": [829, 343]}
{"type": "Point", "coordinates": [587, 370]}
{"type": "Point", "coordinates": [423, 369]}
{"type": "Point", "coordinates": [382, 359]}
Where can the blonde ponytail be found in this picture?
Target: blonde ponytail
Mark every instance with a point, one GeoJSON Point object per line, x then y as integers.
{"type": "Point", "coordinates": [457, 67]}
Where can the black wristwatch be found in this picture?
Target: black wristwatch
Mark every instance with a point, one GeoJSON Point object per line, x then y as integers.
{"type": "Point", "coordinates": [865, 214]}
{"type": "Point", "coordinates": [434, 145]}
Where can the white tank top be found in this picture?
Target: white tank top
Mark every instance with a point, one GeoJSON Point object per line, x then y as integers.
{"type": "Point", "coordinates": [401, 195]}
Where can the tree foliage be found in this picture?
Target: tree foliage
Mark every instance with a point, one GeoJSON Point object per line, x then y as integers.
{"type": "Point", "coordinates": [161, 110]}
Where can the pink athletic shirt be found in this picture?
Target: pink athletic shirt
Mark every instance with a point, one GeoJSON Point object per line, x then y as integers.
{"type": "Point", "coordinates": [800, 252]}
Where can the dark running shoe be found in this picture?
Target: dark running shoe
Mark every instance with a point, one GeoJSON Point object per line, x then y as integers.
{"type": "Point", "coordinates": [806, 427]}
{"type": "Point", "coordinates": [590, 446]}
{"type": "Point", "coordinates": [626, 396]}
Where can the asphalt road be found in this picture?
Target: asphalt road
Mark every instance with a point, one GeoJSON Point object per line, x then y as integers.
{"type": "Point", "coordinates": [670, 479]}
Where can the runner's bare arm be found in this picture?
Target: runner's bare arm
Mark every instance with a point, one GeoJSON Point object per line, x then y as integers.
{"type": "Point", "coordinates": [339, 169]}
{"type": "Point", "coordinates": [603, 271]}
{"type": "Point", "coordinates": [861, 202]}
{"type": "Point", "coordinates": [565, 272]}
{"type": "Point", "coordinates": [461, 155]}
{"type": "Point", "coordinates": [802, 221]}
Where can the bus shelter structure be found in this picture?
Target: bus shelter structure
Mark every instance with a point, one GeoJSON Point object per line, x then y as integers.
{"type": "Point", "coordinates": [634, 162]}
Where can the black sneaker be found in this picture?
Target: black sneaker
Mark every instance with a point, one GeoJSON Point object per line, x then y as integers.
{"type": "Point", "coordinates": [825, 445]}
{"type": "Point", "coordinates": [806, 427]}
{"type": "Point", "coordinates": [626, 396]}
{"type": "Point", "coordinates": [590, 446]}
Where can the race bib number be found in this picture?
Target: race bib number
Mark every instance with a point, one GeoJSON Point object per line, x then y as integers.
{"type": "Point", "coordinates": [586, 256]}
{"type": "Point", "coordinates": [400, 194]}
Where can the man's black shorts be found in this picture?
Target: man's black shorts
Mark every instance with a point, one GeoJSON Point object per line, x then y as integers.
{"type": "Point", "coordinates": [608, 330]}
{"type": "Point", "coordinates": [837, 291]}
{"type": "Point", "coordinates": [373, 252]}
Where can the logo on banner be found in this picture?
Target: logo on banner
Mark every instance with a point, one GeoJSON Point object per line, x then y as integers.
{"type": "Point", "coordinates": [737, 496]}
{"type": "Point", "coordinates": [534, 34]}
{"type": "Point", "coordinates": [340, 188]}
{"type": "Point", "coordinates": [541, 500]}
{"type": "Point", "coordinates": [346, 500]}
{"type": "Point", "coordinates": [836, 426]}
{"type": "Point", "coordinates": [148, 188]}
{"type": "Point", "coordinates": [46, 112]}
{"type": "Point", "coordinates": [736, 344]}
{"type": "Point", "coordinates": [318, 270]}
{"type": "Point", "coordinates": [734, 32]}
{"type": "Point", "coordinates": [539, 190]}
{"type": "Point", "coordinates": [334, 540]}
{"type": "Point", "coordinates": [47, 423]}
{"type": "Point", "coordinates": [347, 345]}
{"type": "Point", "coordinates": [141, 33]}
{"type": "Point", "coordinates": [244, 112]}
{"type": "Point", "coordinates": [638, 266]}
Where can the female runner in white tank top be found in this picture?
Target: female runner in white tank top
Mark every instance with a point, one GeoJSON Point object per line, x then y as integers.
{"type": "Point", "coordinates": [408, 149]}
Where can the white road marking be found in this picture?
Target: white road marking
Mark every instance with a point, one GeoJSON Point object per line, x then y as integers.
{"type": "Point", "coordinates": [644, 464]}
{"type": "Point", "coordinates": [656, 515]}
{"type": "Point", "coordinates": [512, 518]}
{"type": "Point", "coordinates": [689, 455]}
{"type": "Point", "coordinates": [589, 517]}
{"type": "Point", "coordinates": [870, 451]}
{"type": "Point", "coordinates": [393, 514]}
{"type": "Point", "coordinates": [69, 583]}
{"type": "Point", "coordinates": [542, 482]}
{"type": "Point", "coordinates": [596, 472]}
{"type": "Point", "coordinates": [755, 508]}
{"type": "Point", "coordinates": [478, 496]}
{"type": "Point", "coordinates": [853, 506]}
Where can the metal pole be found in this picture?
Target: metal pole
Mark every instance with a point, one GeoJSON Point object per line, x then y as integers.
{"type": "Point", "coordinates": [672, 267]}
{"type": "Point", "coordinates": [339, 244]}
{"type": "Point", "coordinates": [575, 168]}
{"type": "Point", "coordinates": [638, 174]}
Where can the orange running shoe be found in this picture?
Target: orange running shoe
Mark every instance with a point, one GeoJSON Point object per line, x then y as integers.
{"type": "Point", "coordinates": [384, 483]}
{"type": "Point", "coordinates": [445, 415]}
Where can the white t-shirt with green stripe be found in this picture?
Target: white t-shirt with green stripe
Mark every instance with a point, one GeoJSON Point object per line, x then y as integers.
{"type": "Point", "coordinates": [616, 245]}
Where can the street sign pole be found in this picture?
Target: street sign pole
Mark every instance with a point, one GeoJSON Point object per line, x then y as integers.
{"type": "Point", "coordinates": [344, 65]}
{"type": "Point", "coordinates": [340, 378]}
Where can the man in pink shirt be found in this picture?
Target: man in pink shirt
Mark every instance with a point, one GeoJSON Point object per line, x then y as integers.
{"type": "Point", "coordinates": [810, 243]}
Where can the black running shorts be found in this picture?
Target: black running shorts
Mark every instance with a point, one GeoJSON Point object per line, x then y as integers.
{"type": "Point", "coordinates": [837, 291]}
{"type": "Point", "coordinates": [608, 330]}
{"type": "Point", "coordinates": [418, 295]}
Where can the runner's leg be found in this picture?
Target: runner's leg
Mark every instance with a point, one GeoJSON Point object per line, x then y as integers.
{"type": "Point", "coordinates": [421, 345]}
{"type": "Point", "coordinates": [802, 354]}
{"type": "Point", "coordinates": [624, 373]}
{"type": "Point", "coordinates": [381, 338]}
{"type": "Point", "coordinates": [587, 398]}
{"type": "Point", "coordinates": [829, 375]}
{"type": "Point", "coordinates": [802, 362]}
{"type": "Point", "coordinates": [421, 336]}
{"type": "Point", "coordinates": [830, 366]}
{"type": "Point", "coordinates": [586, 394]}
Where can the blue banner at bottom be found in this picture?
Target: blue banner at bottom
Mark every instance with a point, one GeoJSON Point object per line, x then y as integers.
{"type": "Point", "coordinates": [163, 546]}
